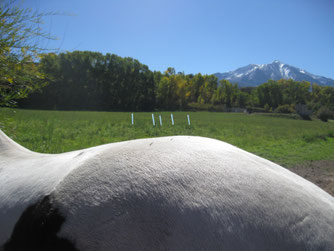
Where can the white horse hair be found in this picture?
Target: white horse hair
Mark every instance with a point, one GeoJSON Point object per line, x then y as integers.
{"type": "Point", "coordinates": [170, 193]}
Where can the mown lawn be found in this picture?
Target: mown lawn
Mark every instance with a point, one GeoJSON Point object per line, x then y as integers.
{"type": "Point", "coordinates": [285, 141]}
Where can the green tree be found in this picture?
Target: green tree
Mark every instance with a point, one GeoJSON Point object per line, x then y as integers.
{"type": "Point", "coordinates": [167, 91]}
{"type": "Point", "coordinates": [270, 93]}
{"type": "Point", "coordinates": [294, 92]}
{"type": "Point", "coordinates": [19, 34]}
{"type": "Point", "coordinates": [85, 80]}
{"type": "Point", "coordinates": [226, 94]}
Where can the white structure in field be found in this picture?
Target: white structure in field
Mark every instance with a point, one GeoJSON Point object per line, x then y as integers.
{"type": "Point", "coordinates": [170, 193]}
{"type": "Point", "coordinates": [153, 120]}
{"type": "Point", "coordinates": [172, 118]}
{"type": "Point", "coordinates": [188, 119]}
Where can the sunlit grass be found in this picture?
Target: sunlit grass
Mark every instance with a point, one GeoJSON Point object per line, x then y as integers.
{"type": "Point", "coordinates": [283, 140]}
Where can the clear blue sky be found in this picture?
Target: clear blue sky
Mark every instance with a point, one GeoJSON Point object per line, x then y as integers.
{"type": "Point", "coordinates": [206, 36]}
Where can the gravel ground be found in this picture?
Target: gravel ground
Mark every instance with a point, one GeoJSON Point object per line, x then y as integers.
{"type": "Point", "coordinates": [320, 173]}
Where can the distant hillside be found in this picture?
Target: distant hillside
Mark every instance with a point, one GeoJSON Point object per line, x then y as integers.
{"type": "Point", "coordinates": [254, 75]}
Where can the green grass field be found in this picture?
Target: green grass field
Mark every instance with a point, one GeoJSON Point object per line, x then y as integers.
{"type": "Point", "coordinates": [285, 141]}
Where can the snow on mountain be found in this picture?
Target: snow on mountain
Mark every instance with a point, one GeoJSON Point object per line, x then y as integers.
{"type": "Point", "coordinates": [253, 74]}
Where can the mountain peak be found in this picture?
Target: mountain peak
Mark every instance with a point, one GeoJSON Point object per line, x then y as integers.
{"type": "Point", "coordinates": [254, 75]}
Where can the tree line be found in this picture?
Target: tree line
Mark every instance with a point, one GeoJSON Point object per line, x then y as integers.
{"type": "Point", "coordinates": [84, 80]}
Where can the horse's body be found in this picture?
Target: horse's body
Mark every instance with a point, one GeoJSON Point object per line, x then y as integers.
{"type": "Point", "coordinates": [171, 193]}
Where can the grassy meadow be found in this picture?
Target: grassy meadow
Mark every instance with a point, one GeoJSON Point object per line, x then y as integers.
{"type": "Point", "coordinates": [283, 140]}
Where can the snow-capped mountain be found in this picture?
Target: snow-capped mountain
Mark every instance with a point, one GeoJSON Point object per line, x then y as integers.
{"type": "Point", "coordinates": [253, 74]}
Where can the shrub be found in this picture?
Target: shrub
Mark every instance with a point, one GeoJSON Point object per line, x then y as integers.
{"type": "Point", "coordinates": [285, 109]}
{"type": "Point", "coordinates": [324, 113]}
{"type": "Point", "coordinates": [266, 108]}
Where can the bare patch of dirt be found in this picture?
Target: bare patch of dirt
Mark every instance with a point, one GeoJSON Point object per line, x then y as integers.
{"type": "Point", "coordinates": [319, 172]}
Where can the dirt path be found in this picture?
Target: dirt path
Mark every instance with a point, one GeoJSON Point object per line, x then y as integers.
{"type": "Point", "coordinates": [320, 173]}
